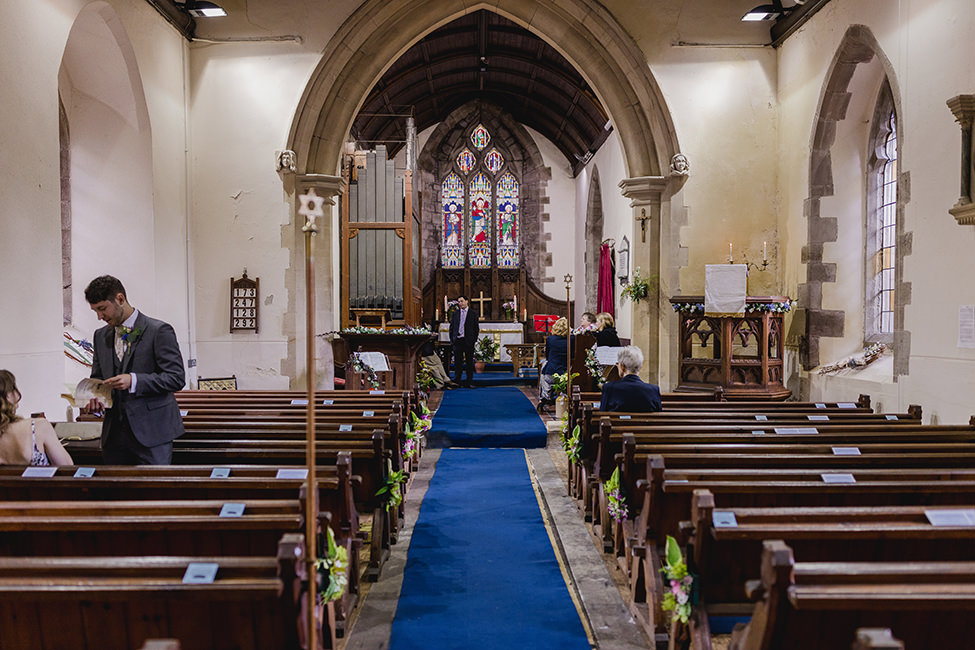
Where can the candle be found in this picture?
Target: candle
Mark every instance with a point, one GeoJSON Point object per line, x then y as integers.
{"type": "Point", "coordinates": [731, 257]}
{"type": "Point", "coordinates": [437, 313]}
{"type": "Point", "coordinates": [445, 310]}
{"type": "Point", "coordinates": [524, 313]}
{"type": "Point", "coordinates": [764, 251]}
{"type": "Point", "coordinates": [516, 304]}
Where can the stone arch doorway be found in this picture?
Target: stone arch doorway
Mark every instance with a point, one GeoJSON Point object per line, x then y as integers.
{"type": "Point", "coordinates": [594, 238]}
{"type": "Point", "coordinates": [858, 48]}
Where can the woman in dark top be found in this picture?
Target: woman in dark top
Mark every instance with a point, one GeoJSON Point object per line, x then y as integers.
{"type": "Point", "coordinates": [606, 331]}
{"type": "Point", "coordinates": [556, 360]}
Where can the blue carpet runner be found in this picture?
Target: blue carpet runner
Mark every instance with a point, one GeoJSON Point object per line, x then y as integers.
{"type": "Point", "coordinates": [491, 416]}
{"type": "Point", "coordinates": [481, 572]}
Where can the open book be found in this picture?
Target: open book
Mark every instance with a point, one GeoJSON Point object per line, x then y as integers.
{"type": "Point", "coordinates": [87, 389]}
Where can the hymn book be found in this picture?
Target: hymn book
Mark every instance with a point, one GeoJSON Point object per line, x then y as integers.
{"type": "Point", "coordinates": [88, 389]}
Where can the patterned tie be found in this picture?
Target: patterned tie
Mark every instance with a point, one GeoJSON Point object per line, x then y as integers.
{"type": "Point", "coordinates": [119, 343]}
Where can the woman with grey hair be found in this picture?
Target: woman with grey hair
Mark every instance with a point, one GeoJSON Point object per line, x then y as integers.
{"type": "Point", "coordinates": [630, 394]}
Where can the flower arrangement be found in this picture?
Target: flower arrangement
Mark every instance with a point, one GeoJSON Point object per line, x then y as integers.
{"type": "Point", "coordinates": [485, 349]}
{"type": "Point", "coordinates": [615, 498]}
{"type": "Point", "coordinates": [333, 566]}
{"type": "Point", "coordinates": [361, 367]}
{"type": "Point", "coordinates": [595, 370]}
{"type": "Point", "coordinates": [679, 583]}
{"type": "Point", "coordinates": [408, 329]}
{"type": "Point", "coordinates": [392, 490]}
{"type": "Point", "coordinates": [688, 307]}
{"type": "Point", "coordinates": [424, 378]}
{"type": "Point", "coordinates": [560, 383]}
{"type": "Point", "coordinates": [772, 307]}
{"type": "Point", "coordinates": [452, 306]}
{"type": "Point", "coordinates": [508, 306]}
{"type": "Point", "coordinates": [414, 431]}
{"type": "Point", "coordinates": [639, 287]}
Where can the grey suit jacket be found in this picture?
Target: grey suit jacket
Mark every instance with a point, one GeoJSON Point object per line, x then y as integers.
{"type": "Point", "coordinates": [154, 356]}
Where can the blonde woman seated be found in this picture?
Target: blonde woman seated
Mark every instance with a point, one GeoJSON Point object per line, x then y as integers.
{"type": "Point", "coordinates": [556, 362]}
{"type": "Point", "coordinates": [606, 331]}
{"type": "Point", "coordinates": [25, 441]}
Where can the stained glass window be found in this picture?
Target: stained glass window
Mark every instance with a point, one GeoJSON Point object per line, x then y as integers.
{"type": "Point", "coordinates": [479, 245]}
{"type": "Point", "coordinates": [452, 200]}
{"type": "Point", "coordinates": [480, 137]}
{"type": "Point", "coordinates": [507, 220]}
{"type": "Point", "coordinates": [494, 161]}
{"type": "Point", "coordinates": [887, 228]}
{"type": "Point", "coordinates": [466, 160]}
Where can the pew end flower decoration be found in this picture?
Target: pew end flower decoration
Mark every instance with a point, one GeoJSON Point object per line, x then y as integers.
{"type": "Point", "coordinates": [678, 583]}
{"type": "Point", "coordinates": [594, 369]}
{"type": "Point", "coordinates": [392, 490]}
{"type": "Point", "coordinates": [332, 566]}
{"type": "Point", "coordinates": [573, 444]}
{"type": "Point", "coordinates": [560, 383]}
{"type": "Point", "coordinates": [614, 497]}
{"type": "Point", "coordinates": [361, 367]}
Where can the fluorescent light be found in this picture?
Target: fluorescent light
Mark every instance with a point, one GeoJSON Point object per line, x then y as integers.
{"type": "Point", "coordinates": [762, 12]}
{"type": "Point", "coordinates": [201, 9]}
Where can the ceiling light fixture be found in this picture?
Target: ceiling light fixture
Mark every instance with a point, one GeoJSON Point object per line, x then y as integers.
{"type": "Point", "coordinates": [203, 9]}
{"type": "Point", "coordinates": [764, 12]}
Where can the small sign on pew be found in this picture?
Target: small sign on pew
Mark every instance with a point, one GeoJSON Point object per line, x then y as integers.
{"type": "Point", "coordinates": [820, 405]}
{"type": "Point", "coordinates": [761, 418]}
{"type": "Point", "coordinates": [626, 417]}
{"type": "Point", "coordinates": [595, 405]}
{"type": "Point", "coordinates": [845, 405]}
{"type": "Point", "coordinates": [838, 478]}
{"type": "Point", "coordinates": [818, 418]}
{"type": "Point", "coordinates": [368, 414]}
{"type": "Point", "coordinates": [677, 480]}
{"type": "Point", "coordinates": [183, 414]}
{"type": "Point", "coordinates": [200, 573]}
{"type": "Point", "coordinates": [220, 472]}
{"type": "Point", "coordinates": [292, 473]}
{"type": "Point", "coordinates": [345, 427]}
{"type": "Point", "coordinates": [377, 392]}
{"type": "Point", "coordinates": [84, 472]}
{"type": "Point", "coordinates": [724, 519]}
{"type": "Point", "coordinates": [40, 472]}
{"type": "Point", "coordinates": [846, 451]}
{"type": "Point", "coordinates": [328, 402]}
{"type": "Point", "coordinates": [232, 510]}
{"type": "Point", "coordinates": [954, 517]}
{"type": "Point", "coordinates": [758, 432]}
{"type": "Point", "coordinates": [299, 402]}
{"type": "Point", "coordinates": [795, 431]}
{"type": "Point", "coordinates": [891, 417]}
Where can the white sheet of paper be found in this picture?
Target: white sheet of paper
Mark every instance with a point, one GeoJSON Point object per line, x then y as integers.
{"type": "Point", "coordinates": [84, 472]}
{"type": "Point", "coordinates": [607, 356]}
{"type": "Point", "coordinates": [220, 472]}
{"type": "Point", "coordinates": [375, 360]}
{"type": "Point", "coordinates": [966, 326]}
{"type": "Point", "coordinates": [846, 405]}
{"type": "Point", "coordinates": [846, 451]}
{"type": "Point", "coordinates": [232, 510]}
{"type": "Point", "coordinates": [818, 418]}
{"type": "Point", "coordinates": [292, 473]}
{"type": "Point", "coordinates": [954, 517]}
{"type": "Point", "coordinates": [838, 478]}
{"type": "Point", "coordinates": [796, 431]}
{"type": "Point", "coordinates": [200, 573]}
{"type": "Point", "coordinates": [724, 519]}
{"type": "Point", "coordinates": [40, 472]}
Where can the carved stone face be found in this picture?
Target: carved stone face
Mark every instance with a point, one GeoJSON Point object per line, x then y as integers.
{"type": "Point", "coordinates": [679, 164]}
{"type": "Point", "coordinates": [286, 160]}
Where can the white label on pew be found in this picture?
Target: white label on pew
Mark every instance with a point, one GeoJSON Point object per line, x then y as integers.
{"type": "Point", "coordinates": [677, 480]}
{"type": "Point", "coordinates": [345, 427]}
{"type": "Point", "coordinates": [328, 402]}
{"type": "Point", "coordinates": [795, 431]}
{"type": "Point", "coordinates": [818, 418]}
{"type": "Point", "coordinates": [951, 517]}
{"type": "Point", "coordinates": [891, 417]}
{"type": "Point", "coordinates": [838, 478]}
{"type": "Point", "coordinates": [292, 473]}
{"type": "Point", "coordinates": [200, 573]}
{"type": "Point", "coordinates": [368, 414]}
{"type": "Point", "coordinates": [722, 519]}
{"type": "Point", "coordinates": [846, 451]}
{"type": "Point", "coordinates": [220, 472]}
{"type": "Point", "coordinates": [232, 510]}
{"type": "Point", "coordinates": [299, 402]}
{"type": "Point", "coordinates": [84, 472]}
{"type": "Point", "coordinates": [845, 405]}
{"type": "Point", "coordinates": [183, 414]}
{"type": "Point", "coordinates": [625, 417]}
{"type": "Point", "coordinates": [759, 432]}
{"type": "Point", "coordinates": [40, 472]}
{"type": "Point", "coordinates": [820, 405]}
{"type": "Point", "coordinates": [761, 418]}
{"type": "Point", "coordinates": [595, 405]}
{"type": "Point", "coordinates": [377, 392]}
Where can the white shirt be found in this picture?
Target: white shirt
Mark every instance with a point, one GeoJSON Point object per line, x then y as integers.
{"type": "Point", "coordinates": [130, 323]}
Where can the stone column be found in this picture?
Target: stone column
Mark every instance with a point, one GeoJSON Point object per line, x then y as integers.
{"type": "Point", "coordinates": [325, 247]}
{"type": "Point", "coordinates": [963, 108]}
{"type": "Point", "coordinates": [646, 196]}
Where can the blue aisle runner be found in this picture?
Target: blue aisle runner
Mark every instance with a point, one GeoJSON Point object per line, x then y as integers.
{"type": "Point", "coordinates": [493, 416]}
{"type": "Point", "coordinates": [481, 572]}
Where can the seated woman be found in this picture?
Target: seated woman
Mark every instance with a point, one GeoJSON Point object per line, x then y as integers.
{"type": "Point", "coordinates": [430, 359]}
{"type": "Point", "coordinates": [630, 394]}
{"type": "Point", "coordinates": [606, 331]}
{"type": "Point", "coordinates": [25, 442]}
{"type": "Point", "coordinates": [555, 362]}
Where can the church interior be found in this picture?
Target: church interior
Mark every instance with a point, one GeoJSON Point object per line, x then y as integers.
{"type": "Point", "coordinates": [363, 163]}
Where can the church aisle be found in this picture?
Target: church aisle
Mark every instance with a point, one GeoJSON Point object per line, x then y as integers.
{"type": "Point", "coordinates": [482, 571]}
{"type": "Point", "coordinates": [491, 416]}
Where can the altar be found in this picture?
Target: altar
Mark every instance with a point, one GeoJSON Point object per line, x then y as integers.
{"type": "Point", "coordinates": [503, 333]}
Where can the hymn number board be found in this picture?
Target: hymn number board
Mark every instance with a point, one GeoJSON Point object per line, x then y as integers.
{"type": "Point", "coordinates": [244, 294]}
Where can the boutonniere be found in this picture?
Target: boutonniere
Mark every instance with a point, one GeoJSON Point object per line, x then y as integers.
{"type": "Point", "coordinates": [129, 334]}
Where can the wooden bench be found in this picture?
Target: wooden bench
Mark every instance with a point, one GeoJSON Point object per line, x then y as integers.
{"type": "Point", "coordinates": [816, 605]}
{"type": "Point", "coordinates": [254, 603]}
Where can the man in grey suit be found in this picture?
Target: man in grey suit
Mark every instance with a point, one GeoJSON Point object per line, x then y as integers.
{"type": "Point", "coordinates": [139, 359]}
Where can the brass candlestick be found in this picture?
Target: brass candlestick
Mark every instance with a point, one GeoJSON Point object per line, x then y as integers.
{"type": "Point", "coordinates": [568, 339]}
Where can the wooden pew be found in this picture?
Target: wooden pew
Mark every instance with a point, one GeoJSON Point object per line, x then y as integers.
{"type": "Point", "coordinates": [120, 602]}
{"type": "Point", "coordinates": [816, 605]}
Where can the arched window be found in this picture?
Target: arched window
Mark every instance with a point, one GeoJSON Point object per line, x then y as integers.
{"type": "Point", "coordinates": [882, 223]}
{"type": "Point", "coordinates": [484, 229]}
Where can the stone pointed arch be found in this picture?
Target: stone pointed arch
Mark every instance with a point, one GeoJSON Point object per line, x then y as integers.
{"type": "Point", "coordinates": [859, 46]}
{"type": "Point", "coordinates": [582, 31]}
{"type": "Point", "coordinates": [594, 238]}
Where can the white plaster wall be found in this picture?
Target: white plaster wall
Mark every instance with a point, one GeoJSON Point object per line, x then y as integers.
{"type": "Point", "coordinates": [30, 242]}
{"type": "Point", "coordinates": [931, 46]}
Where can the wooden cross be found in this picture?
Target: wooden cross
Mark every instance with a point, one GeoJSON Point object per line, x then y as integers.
{"type": "Point", "coordinates": [481, 301]}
